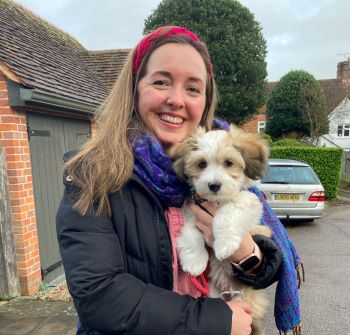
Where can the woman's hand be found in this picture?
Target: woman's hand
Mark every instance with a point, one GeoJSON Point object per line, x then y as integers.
{"type": "Point", "coordinates": [204, 222]}
{"type": "Point", "coordinates": [241, 317]}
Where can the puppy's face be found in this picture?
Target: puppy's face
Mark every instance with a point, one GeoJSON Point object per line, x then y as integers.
{"type": "Point", "coordinates": [216, 163]}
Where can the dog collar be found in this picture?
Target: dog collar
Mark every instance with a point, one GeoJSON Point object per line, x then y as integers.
{"type": "Point", "coordinates": [196, 197]}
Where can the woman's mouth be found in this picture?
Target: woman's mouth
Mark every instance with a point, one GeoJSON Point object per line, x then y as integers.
{"type": "Point", "coordinates": [171, 119]}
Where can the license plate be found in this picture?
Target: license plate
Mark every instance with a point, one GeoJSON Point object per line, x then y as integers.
{"type": "Point", "coordinates": [290, 197]}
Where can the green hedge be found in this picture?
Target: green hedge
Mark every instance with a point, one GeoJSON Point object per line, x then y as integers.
{"type": "Point", "coordinates": [289, 142]}
{"type": "Point", "coordinates": [326, 162]}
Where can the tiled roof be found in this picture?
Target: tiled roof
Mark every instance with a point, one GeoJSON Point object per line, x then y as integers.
{"type": "Point", "coordinates": [107, 64]}
{"type": "Point", "coordinates": [334, 89]}
{"type": "Point", "coordinates": [46, 58]}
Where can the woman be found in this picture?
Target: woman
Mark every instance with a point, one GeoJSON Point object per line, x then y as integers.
{"type": "Point", "coordinates": [112, 226]}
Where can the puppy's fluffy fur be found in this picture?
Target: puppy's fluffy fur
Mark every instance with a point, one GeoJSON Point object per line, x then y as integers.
{"type": "Point", "coordinates": [220, 165]}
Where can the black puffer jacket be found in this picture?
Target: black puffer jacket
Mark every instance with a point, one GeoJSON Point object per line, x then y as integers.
{"type": "Point", "coordinates": [119, 270]}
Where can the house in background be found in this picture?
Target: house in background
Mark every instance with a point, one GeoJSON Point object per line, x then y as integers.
{"type": "Point", "coordinates": [50, 87]}
{"type": "Point", "coordinates": [335, 90]}
{"type": "Point", "coordinates": [339, 127]}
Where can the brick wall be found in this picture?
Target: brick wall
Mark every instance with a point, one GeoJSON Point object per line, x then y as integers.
{"type": "Point", "coordinates": [343, 70]}
{"type": "Point", "coordinates": [252, 124]}
{"type": "Point", "coordinates": [14, 140]}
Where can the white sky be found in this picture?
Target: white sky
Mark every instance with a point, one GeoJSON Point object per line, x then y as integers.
{"type": "Point", "coordinates": [311, 35]}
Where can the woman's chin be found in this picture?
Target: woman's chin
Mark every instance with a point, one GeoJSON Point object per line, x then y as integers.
{"type": "Point", "coordinates": [167, 140]}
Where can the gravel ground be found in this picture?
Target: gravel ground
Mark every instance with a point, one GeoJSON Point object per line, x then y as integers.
{"type": "Point", "coordinates": [58, 293]}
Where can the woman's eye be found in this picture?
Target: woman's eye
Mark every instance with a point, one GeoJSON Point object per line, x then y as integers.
{"type": "Point", "coordinates": [228, 163]}
{"type": "Point", "coordinates": [202, 164]}
{"type": "Point", "coordinates": [194, 90]}
{"type": "Point", "coordinates": [160, 83]}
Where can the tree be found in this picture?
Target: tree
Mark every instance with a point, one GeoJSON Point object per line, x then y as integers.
{"type": "Point", "coordinates": [296, 105]}
{"type": "Point", "coordinates": [236, 45]}
{"type": "Point", "coordinates": [314, 110]}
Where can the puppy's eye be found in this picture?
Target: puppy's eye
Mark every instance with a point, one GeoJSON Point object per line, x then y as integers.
{"type": "Point", "coordinates": [228, 163]}
{"type": "Point", "coordinates": [202, 164]}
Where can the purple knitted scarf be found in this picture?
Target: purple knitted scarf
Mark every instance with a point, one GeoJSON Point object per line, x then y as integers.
{"type": "Point", "coordinates": [153, 166]}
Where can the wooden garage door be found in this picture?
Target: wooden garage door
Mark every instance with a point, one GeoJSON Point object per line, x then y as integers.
{"type": "Point", "coordinates": [50, 137]}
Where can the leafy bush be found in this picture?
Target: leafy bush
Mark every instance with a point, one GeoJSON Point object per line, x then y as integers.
{"type": "Point", "coordinates": [326, 162]}
{"type": "Point", "coordinates": [290, 142]}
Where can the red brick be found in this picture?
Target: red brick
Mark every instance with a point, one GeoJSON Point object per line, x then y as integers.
{"type": "Point", "coordinates": [13, 158]}
{"type": "Point", "coordinates": [8, 127]}
{"type": "Point", "coordinates": [29, 277]}
{"type": "Point", "coordinates": [18, 194]}
{"type": "Point", "coordinates": [31, 213]}
{"type": "Point", "coordinates": [36, 267]}
{"type": "Point", "coordinates": [17, 179]}
{"type": "Point", "coordinates": [25, 158]}
{"type": "Point", "coordinates": [3, 85]}
{"type": "Point", "coordinates": [19, 209]}
{"type": "Point", "coordinates": [34, 253]}
{"type": "Point", "coordinates": [12, 135]}
{"type": "Point", "coordinates": [14, 150]}
{"type": "Point", "coordinates": [9, 143]}
{"type": "Point", "coordinates": [32, 227]}
{"type": "Point", "coordinates": [10, 119]}
{"type": "Point", "coordinates": [22, 127]}
{"type": "Point", "coordinates": [31, 287]}
{"type": "Point", "coordinates": [18, 217]}
{"type": "Point", "coordinates": [28, 186]}
{"type": "Point", "coordinates": [17, 202]}
{"type": "Point", "coordinates": [4, 102]}
{"type": "Point", "coordinates": [16, 187]}
{"type": "Point", "coordinates": [27, 172]}
{"type": "Point", "coordinates": [6, 110]}
{"type": "Point", "coordinates": [26, 251]}
{"type": "Point", "coordinates": [15, 165]}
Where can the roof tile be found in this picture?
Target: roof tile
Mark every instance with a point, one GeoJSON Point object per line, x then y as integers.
{"type": "Point", "coordinates": [45, 57]}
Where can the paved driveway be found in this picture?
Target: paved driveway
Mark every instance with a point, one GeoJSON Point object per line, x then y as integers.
{"type": "Point", "coordinates": [324, 246]}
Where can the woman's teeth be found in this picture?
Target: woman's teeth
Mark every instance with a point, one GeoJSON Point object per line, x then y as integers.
{"type": "Point", "coordinates": [171, 119]}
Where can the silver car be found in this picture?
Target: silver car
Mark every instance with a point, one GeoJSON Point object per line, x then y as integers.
{"type": "Point", "coordinates": [293, 190]}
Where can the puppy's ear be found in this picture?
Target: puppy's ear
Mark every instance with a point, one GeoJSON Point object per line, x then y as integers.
{"type": "Point", "coordinates": [177, 153]}
{"type": "Point", "coordinates": [254, 149]}
{"type": "Point", "coordinates": [180, 151]}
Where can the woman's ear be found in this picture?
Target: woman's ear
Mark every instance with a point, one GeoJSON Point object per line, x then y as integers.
{"type": "Point", "coordinates": [254, 150]}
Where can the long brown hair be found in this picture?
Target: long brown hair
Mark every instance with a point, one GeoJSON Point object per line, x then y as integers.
{"type": "Point", "coordinates": [105, 163]}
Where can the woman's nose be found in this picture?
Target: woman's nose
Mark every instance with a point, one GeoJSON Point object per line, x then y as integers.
{"type": "Point", "coordinates": [175, 98]}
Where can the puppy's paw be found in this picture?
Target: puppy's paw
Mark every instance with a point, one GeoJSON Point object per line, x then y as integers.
{"type": "Point", "coordinates": [194, 263]}
{"type": "Point", "coordinates": [225, 247]}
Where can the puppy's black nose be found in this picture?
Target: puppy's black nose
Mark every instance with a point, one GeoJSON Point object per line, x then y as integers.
{"type": "Point", "coordinates": [214, 187]}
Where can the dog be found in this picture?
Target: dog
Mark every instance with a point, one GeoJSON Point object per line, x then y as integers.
{"type": "Point", "coordinates": [220, 165]}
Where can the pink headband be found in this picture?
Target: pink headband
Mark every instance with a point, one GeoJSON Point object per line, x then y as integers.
{"type": "Point", "coordinates": [148, 41]}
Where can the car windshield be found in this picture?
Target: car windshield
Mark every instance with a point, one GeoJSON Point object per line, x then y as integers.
{"type": "Point", "coordinates": [284, 174]}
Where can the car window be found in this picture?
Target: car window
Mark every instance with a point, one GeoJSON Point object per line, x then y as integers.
{"type": "Point", "coordinates": [284, 174]}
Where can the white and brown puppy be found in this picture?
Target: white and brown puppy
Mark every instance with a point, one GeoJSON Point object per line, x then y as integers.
{"type": "Point", "coordinates": [220, 166]}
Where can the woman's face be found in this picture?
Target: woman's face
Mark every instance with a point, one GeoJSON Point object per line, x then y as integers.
{"type": "Point", "coordinates": [171, 96]}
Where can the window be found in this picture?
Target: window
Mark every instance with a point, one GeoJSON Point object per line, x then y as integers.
{"type": "Point", "coordinates": [285, 174]}
{"type": "Point", "coordinates": [261, 126]}
{"type": "Point", "coordinates": [344, 130]}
